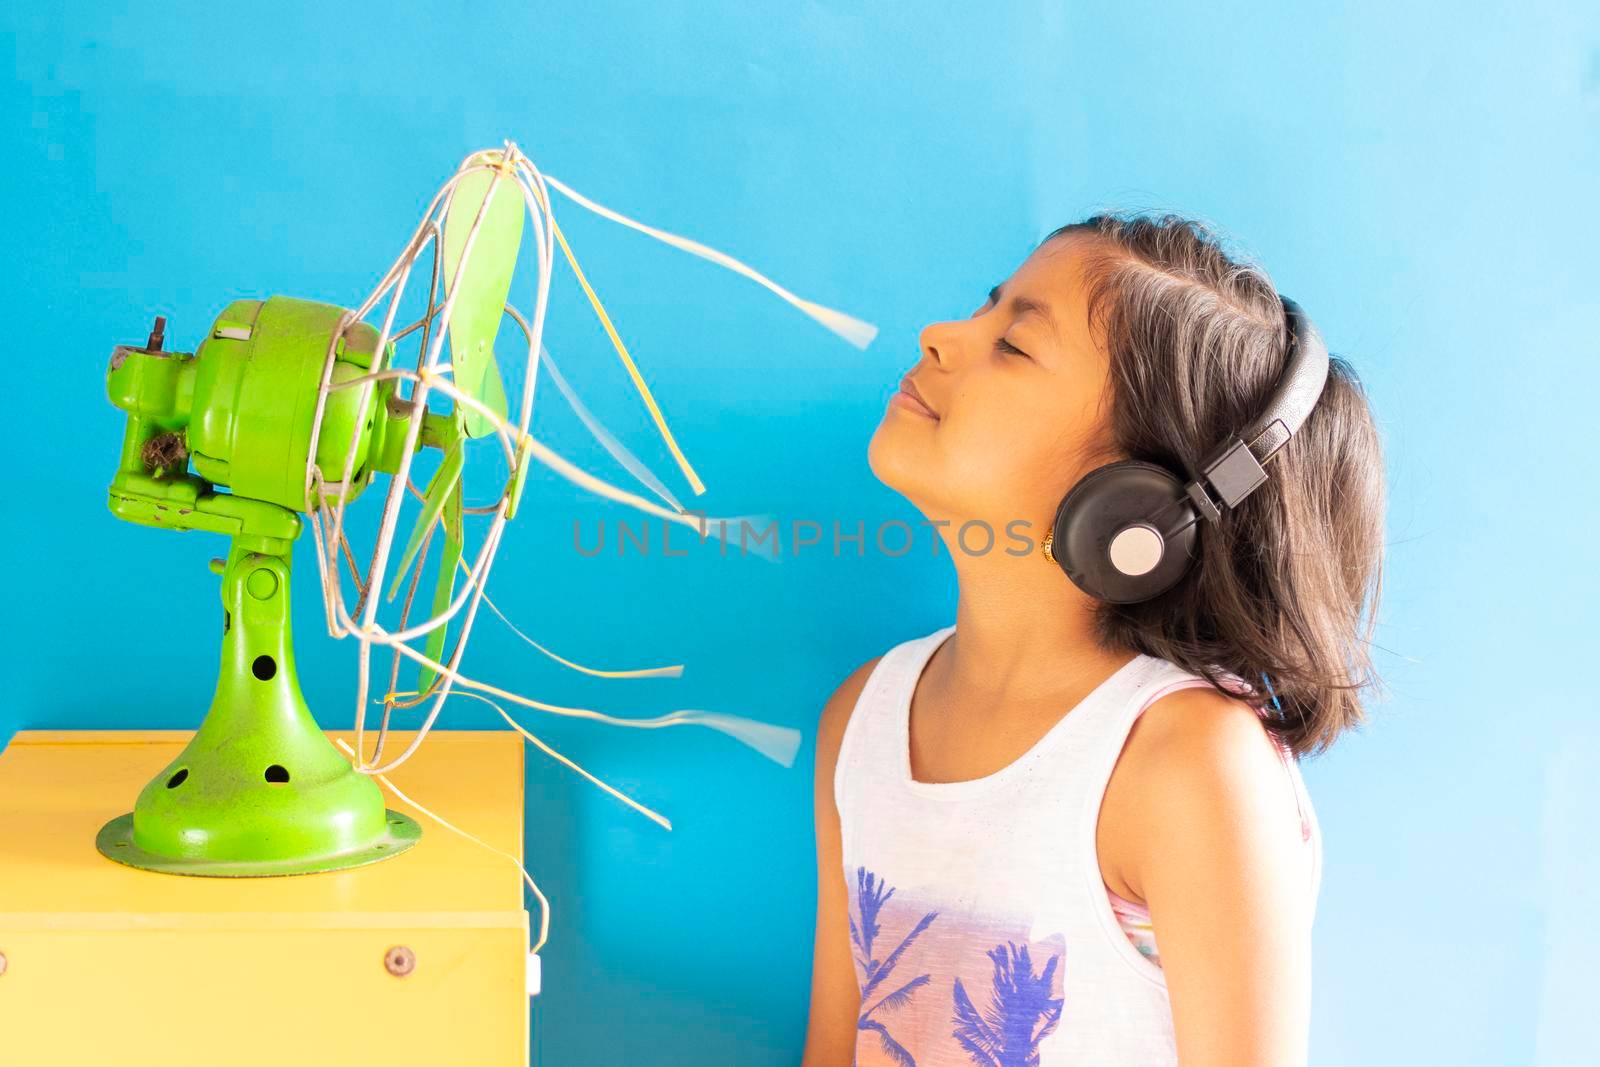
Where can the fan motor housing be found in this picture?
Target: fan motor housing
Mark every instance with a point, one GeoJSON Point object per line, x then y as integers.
{"type": "Point", "coordinates": [255, 398]}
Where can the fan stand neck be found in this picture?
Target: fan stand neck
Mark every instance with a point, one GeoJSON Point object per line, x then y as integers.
{"type": "Point", "coordinates": [260, 790]}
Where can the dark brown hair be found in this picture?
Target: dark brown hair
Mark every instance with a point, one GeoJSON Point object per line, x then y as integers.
{"type": "Point", "coordinates": [1284, 587]}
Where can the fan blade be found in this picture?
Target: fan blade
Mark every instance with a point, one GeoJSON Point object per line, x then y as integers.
{"type": "Point", "coordinates": [446, 480]}
{"type": "Point", "coordinates": [449, 560]}
{"type": "Point", "coordinates": [484, 284]}
{"type": "Point", "coordinates": [473, 422]}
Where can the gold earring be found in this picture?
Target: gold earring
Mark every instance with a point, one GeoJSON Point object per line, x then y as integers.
{"type": "Point", "coordinates": [1049, 537]}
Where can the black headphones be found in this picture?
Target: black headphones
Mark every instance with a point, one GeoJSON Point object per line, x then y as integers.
{"type": "Point", "coordinates": [1126, 531]}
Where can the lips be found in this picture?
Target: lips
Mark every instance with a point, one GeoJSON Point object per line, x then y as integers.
{"type": "Point", "coordinates": [909, 387]}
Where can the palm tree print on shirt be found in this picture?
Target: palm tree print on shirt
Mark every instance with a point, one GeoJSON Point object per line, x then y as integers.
{"type": "Point", "coordinates": [871, 895]}
{"type": "Point", "coordinates": [1021, 1011]}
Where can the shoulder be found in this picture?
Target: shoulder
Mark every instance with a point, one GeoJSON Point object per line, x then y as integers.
{"type": "Point", "coordinates": [830, 739]}
{"type": "Point", "coordinates": [1204, 730]}
{"type": "Point", "coordinates": [836, 712]}
{"type": "Point", "coordinates": [1204, 776]}
{"type": "Point", "coordinates": [841, 704]}
{"type": "Point", "coordinates": [1201, 745]}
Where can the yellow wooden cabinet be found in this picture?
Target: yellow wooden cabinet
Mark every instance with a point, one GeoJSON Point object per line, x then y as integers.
{"type": "Point", "coordinates": [106, 964]}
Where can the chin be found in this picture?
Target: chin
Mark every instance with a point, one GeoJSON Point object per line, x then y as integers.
{"type": "Point", "coordinates": [897, 459]}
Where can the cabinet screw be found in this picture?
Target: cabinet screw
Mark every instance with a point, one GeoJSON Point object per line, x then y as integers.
{"type": "Point", "coordinates": [400, 961]}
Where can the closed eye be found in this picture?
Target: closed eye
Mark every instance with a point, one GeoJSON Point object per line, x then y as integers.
{"type": "Point", "coordinates": [1003, 345]}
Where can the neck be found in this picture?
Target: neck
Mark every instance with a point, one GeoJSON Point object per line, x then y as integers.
{"type": "Point", "coordinates": [1024, 631]}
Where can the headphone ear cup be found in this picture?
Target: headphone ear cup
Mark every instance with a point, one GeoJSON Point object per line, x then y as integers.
{"type": "Point", "coordinates": [1106, 503]}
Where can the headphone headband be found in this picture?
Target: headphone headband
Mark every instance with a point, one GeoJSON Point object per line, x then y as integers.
{"type": "Point", "coordinates": [1235, 469]}
{"type": "Point", "coordinates": [1110, 535]}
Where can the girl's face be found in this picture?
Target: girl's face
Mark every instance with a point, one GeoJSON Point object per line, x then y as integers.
{"type": "Point", "coordinates": [1019, 398]}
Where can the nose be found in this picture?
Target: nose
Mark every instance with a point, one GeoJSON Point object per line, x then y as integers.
{"type": "Point", "coordinates": [936, 341]}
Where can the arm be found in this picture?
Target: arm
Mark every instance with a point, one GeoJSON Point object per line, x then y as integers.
{"type": "Point", "coordinates": [1212, 844]}
{"type": "Point", "coordinates": [835, 993]}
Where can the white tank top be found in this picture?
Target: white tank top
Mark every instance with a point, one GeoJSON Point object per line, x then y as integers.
{"type": "Point", "coordinates": [980, 925]}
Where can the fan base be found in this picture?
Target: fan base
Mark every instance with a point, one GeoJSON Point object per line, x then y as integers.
{"type": "Point", "coordinates": [115, 841]}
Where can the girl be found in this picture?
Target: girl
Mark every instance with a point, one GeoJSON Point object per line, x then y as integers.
{"type": "Point", "coordinates": [1070, 831]}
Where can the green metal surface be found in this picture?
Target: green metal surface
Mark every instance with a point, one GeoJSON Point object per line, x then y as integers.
{"type": "Point", "coordinates": [259, 790]}
{"type": "Point", "coordinates": [243, 405]}
{"type": "Point", "coordinates": [116, 840]}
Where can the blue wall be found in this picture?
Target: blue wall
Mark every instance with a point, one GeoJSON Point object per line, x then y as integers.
{"type": "Point", "coordinates": [1422, 180]}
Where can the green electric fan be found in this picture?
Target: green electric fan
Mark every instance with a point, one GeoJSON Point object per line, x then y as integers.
{"type": "Point", "coordinates": [260, 789]}
{"type": "Point", "coordinates": [291, 408]}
